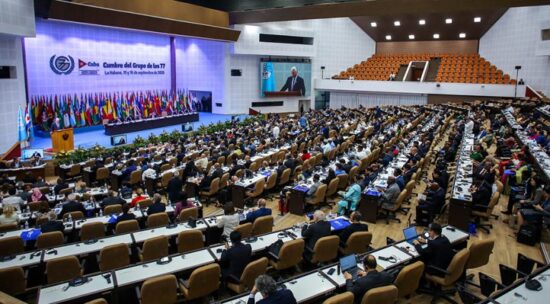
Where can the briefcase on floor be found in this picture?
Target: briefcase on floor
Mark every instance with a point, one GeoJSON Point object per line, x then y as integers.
{"type": "Point", "coordinates": [528, 235]}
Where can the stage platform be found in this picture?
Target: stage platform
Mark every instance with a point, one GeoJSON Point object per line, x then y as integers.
{"type": "Point", "coordinates": [87, 139]}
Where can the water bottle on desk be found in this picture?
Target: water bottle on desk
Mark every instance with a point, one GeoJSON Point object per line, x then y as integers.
{"type": "Point", "coordinates": [70, 218]}
{"type": "Point", "coordinates": [100, 212]}
{"type": "Point", "coordinates": [26, 225]}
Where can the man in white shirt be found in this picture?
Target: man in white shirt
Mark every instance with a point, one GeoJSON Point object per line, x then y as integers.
{"type": "Point", "coordinates": [327, 147]}
{"type": "Point", "coordinates": [360, 153]}
{"type": "Point", "coordinates": [276, 131]}
{"type": "Point", "coordinates": [14, 200]}
{"type": "Point", "coordinates": [149, 173]}
{"type": "Point", "coordinates": [202, 162]}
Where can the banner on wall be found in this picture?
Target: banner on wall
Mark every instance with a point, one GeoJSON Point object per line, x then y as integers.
{"type": "Point", "coordinates": [67, 64]}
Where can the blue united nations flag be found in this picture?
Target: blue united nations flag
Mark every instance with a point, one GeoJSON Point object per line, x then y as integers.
{"type": "Point", "coordinates": [268, 77]}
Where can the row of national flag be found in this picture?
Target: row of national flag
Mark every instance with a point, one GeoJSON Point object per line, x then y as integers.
{"type": "Point", "coordinates": [91, 109]}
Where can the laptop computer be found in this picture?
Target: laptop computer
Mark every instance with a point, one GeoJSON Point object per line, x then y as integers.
{"type": "Point", "coordinates": [410, 234]}
{"type": "Point", "coordinates": [349, 264]}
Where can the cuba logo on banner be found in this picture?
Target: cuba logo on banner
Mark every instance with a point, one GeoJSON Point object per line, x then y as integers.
{"type": "Point", "coordinates": [62, 64]}
{"type": "Point", "coordinates": [268, 77]}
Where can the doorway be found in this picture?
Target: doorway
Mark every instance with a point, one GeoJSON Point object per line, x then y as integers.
{"type": "Point", "coordinates": [304, 105]}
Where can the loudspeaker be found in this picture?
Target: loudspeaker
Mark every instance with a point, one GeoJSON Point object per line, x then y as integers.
{"type": "Point", "coordinates": [42, 8]}
{"type": "Point", "coordinates": [236, 73]}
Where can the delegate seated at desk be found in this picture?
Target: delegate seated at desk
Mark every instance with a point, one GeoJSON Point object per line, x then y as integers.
{"type": "Point", "coordinates": [174, 187]}
{"type": "Point", "coordinates": [435, 198]}
{"type": "Point", "coordinates": [356, 226]}
{"type": "Point", "coordinates": [481, 194]}
{"type": "Point", "coordinates": [535, 213]}
{"type": "Point", "coordinates": [260, 211]}
{"type": "Point", "coordinates": [71, 206]}
{"type": "Point", "coordinates": [271, 294]}
{"type": "Point", "coordinates": [229, 220]}
{"type": "Point", "coordinates": [112, 199]}
{"type": "Point", "coordinates": [235, 258]}
{"type": "Point", "coordinates": [316, 184]}
{"type": "Point", "coordinates": [367, 280]}
{"type": "Point", "coordinates": [317, 229]}
{"type": "Point", "coordinates": [389, 196]}
{"type": "Point", "coordinates": [438, 251]}
{"type": "Point", "coordinates": [350, 199]}
{"type": "Point", "coordinates": [52, 224]}
{"type": "Point", "coordinates": [157, 206]}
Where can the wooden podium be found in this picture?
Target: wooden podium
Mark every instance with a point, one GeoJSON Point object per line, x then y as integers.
{"type": "Point", "coordinates": [281, 93]}
{"type": "Point", "coordinates": [62, 140]}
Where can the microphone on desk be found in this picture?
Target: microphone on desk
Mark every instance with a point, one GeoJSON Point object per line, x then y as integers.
{"type": "Point", "coordinates": [530, 283]}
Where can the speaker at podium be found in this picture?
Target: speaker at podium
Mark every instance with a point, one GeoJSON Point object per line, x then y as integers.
{"type": "Point", "coordinates": [62, 140]}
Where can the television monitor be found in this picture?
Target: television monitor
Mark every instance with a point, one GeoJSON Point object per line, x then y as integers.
{"type": "Point", "coordinates": [29, 153]}
{"type": "Point", "coordinates": [285, 76]}
{"type": "Point", "coordinates": [118, 140]}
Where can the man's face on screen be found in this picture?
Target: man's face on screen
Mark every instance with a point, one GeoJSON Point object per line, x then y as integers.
{"type": "Point", "coordinates": [294, 73]}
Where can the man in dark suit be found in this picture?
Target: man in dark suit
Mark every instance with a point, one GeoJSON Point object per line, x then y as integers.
{"type": "Point", "coordinates": [175, 185]}
{"type": "Point", "coordinates": [435, 198]}
{"type": "Point", "coordinates": [235, 258]}
{"type": "Point", "coordinates": [157, 206]}
{"type": "Point", "coordinates": [216, 172]}
{"type": "Point", "coordinates": [399, 179]}
{"type": "Point", "coordinates": [355, 226]}
{"type": "Point", "coordinates": [311, 233]}
{"type": "Point", "coordinates": [71, 206]}
{"type": "Point", "coordinates": [126, 215]}
{"type": "Point", "coordinates": [258, 212]}
{"type": "Point", "coordinates": [235, 167]}
{"type": "Point", "coordinates": [112, 199]}
{"type": "Point", "coordinates": [438, 253]}
{"type": "Point", "coordinates": [295, 83]}
{"type": "Point", "coordinates": [267, 286]}
{"type": "Point", "coordinates": [368, 279]}
{"type": "Point", "coordinates": [289, 162]}
{"type": "Point", "coordinates": [52, 224]}
{"type": "Point", "coordinates": [61, 184]}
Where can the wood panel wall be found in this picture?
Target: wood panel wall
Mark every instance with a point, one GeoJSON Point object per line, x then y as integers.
{"type": "Point", "coordinates": [420, 47]}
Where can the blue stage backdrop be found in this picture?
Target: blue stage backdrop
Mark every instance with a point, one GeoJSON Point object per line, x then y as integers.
{"type": "Point", "coordinates": [68, 58]}
{"type": "Point", "coordinates": [76, 59]}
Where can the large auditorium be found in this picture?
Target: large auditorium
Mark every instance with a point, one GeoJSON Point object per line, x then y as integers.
{"type": "Point", "coordinates": [275, 151]}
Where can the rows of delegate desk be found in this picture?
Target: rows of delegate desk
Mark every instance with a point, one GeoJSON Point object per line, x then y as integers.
{"type": "Point", "coordinates": [519, 293]}
{"type": "Point", "coordinates": [306, 287]}
{"type": "Point", "coordinates": [369, 209]}
{"type": "Point", "coordinates": [135, 239]}
{"type": "Point", "coordinates": [539, 156]}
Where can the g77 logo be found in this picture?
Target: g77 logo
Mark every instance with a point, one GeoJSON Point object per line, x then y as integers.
{"type": "Point", "coordinates": [62, 64]}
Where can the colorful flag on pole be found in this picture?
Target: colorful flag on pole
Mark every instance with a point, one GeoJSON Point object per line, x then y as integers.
{"type": "Point", "coordinates": [268, 78]}
{"type": "Point", "coordinates": [22, 133]}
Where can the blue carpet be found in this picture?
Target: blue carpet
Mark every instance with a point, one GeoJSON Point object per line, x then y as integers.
{"type": "Point", "coordinates": [95, 136]}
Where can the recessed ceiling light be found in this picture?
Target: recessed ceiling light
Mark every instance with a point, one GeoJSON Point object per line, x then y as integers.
{"type": "Point", "coordinates": [411, 36]}
{"type": "Point", "coordinates": [388, 37]}
{"type": "Point", "coordinates": [421, 21]}
{"type": "Point", "coordinates": [397, 23]}
{"type": "Point", "coordinates": [436, 36]}
{"type": "Point", "coordinates": [448, 20]}
{"type": "Point", "coordinates": [462, 35]}
{"type": "Point", "coordinates": [373, 24]}
{"type": "Point", "coordinates": [477, 19]}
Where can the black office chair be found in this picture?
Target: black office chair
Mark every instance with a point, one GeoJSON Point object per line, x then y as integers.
{"type": "Point", "coordinates": [466, 296]}
{"type": "Point", "coordinates": [527, 265]}
{"type": "Point", "coordinates": [488, 285]}
{"type": "Point", "coordinates": [508, 275]}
